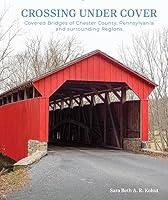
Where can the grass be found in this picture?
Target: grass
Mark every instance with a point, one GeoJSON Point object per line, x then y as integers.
{"type": "Point", "coordinates": [13, 181]}
{"type": "Point", "coordinates": [158, 141]}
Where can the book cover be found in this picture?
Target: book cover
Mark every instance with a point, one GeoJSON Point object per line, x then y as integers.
{"type": "Point", "coordinates": [83, 100]}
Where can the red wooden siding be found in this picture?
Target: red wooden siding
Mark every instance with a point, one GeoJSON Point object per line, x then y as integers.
{"type": "Point", "coordinates": [20, 122]}
{"type": "Point", "coordinates": [28, 119]}
{"type": "Point", "coordinates": [100, 68]}
{"type": "Point", "coordinates": [94, 68]}
{"type": "Point", "coordinates": [144, 119]}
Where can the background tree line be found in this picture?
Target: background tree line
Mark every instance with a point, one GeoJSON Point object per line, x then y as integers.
{"type": "Point", "coordinates": [148, 54]}
{"type": "Point", "coordinates": [37, 58]}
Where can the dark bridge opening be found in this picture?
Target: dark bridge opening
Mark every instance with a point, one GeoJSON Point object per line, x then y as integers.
{"type": "Point", "coordinates": [93, 114]}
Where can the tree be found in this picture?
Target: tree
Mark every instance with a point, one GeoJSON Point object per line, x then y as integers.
{"type": "Point", "coordinates": [148, 54]}
{"type": "Point", "coordinates": [40, 57]}
{"type": "Point", "coordinates": [7, 35]}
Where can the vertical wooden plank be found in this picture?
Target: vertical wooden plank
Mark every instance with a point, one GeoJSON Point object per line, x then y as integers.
{"type": "Point", "coordinates": [91, 69]}
{"type": "Point", "coordinates": [72, 72]}
{"type": "Point", "coordinates": [96, 68]}
{"type": "Point", "coordinates": [102, 69]}
{"type": "Point", "coordinates": [144, 119]}
{"type": "Point", "coordinates": [112, 122]}
{"type": "Point", "coordinates": [107, 71]}
{"type": "Point", "coordinates": [84, 70]}
{"type": "Point", "coordinates": [78, 69]}
{"type": "Point", "coordinates": [121, 121]}
{"type": "Point", "coordinates": [105, 119]}
{"type": "Point", "coordinates": [66, 73]}
{"type": "Point", "coordinates": [60, 78]}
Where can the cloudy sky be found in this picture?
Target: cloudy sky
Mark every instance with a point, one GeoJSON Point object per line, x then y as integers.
{"type": "Point", "coordinates": [105, 41]}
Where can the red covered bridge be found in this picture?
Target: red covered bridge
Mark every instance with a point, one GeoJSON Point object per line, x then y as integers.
{"type": "Point", "coordinates": [84, 102]}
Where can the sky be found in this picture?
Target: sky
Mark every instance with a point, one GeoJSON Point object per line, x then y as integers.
{"type": "Point", "coordinates": [108, 42]}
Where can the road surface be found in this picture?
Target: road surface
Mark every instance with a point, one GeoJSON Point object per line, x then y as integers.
{"type": "Point", "coordinates": [96, 174]}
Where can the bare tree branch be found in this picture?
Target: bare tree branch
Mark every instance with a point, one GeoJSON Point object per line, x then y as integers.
{"type": "Point", "coordinates": [148, 54]}
{"type": "Point", "coordinates": [7, 35]}
{"type": "Point", "coordinates": [40, 57]}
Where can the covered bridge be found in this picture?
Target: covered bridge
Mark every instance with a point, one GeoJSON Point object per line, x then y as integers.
{"type": "Point", "coordinates": [84, 102]}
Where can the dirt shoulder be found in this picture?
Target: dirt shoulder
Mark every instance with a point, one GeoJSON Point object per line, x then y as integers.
{"type": "Point", "coordinates": [13, 181]}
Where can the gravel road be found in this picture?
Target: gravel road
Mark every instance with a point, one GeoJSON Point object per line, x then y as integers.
{"type": "Point", "coordinates": [96, 174]}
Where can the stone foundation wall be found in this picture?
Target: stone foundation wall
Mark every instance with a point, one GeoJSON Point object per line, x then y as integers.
{"type": "Point", "coordinates": [35, 145]}
{"type": "Point", "coordinates": [132, 144]}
